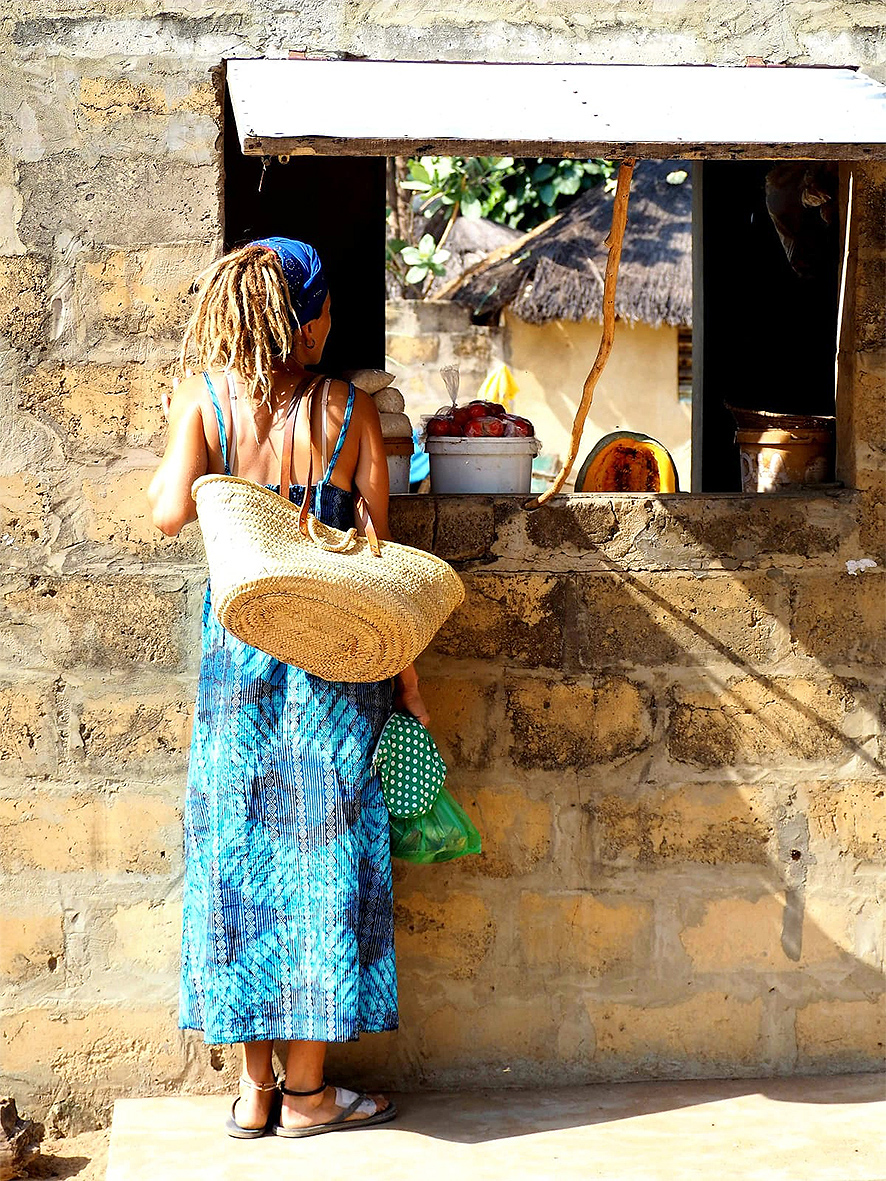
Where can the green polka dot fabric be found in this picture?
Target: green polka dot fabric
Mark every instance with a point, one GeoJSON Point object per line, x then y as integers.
{"type": "Point", "coordinates": [410, 766]}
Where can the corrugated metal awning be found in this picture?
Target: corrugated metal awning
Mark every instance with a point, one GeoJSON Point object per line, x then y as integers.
{"type": "Point", "coordinates": [305, 107]}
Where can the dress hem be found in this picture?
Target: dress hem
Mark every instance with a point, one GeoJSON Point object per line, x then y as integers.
{"type": "Point", "coordinates": [263, 1036]}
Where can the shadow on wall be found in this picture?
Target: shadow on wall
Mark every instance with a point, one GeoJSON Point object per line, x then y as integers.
{"type": "Point", "coordinates": [677, 771]}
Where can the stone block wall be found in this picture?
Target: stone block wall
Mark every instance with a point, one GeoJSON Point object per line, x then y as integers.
{"type": "Point", "coordinates": [665, 715]}
{"type": "Point", "coordinates": [109, 206]}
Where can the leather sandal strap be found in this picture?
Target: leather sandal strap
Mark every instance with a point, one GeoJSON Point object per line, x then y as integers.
{"type": "Point", "coordinates": [301, 1094]}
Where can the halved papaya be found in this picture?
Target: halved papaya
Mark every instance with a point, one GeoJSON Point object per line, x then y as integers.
{"type": "Point", "coordinates": [626, 461]}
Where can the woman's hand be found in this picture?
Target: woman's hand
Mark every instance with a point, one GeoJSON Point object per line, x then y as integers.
{"type": "Point", "coordinates": [408, 698]}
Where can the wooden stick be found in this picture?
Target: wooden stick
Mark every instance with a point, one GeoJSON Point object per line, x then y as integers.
{"type": "Point", "coordinates": [614, 242]}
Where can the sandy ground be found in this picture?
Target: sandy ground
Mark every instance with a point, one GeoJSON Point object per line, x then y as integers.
{"type": "Point", "coordinates": [84, 1157]}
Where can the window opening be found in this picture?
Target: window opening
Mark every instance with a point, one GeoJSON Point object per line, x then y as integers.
{"type": "Point", "coordinates": [765, 325]}
{"type": "Point", "coordinates": [337, 203]}
{"type": "Point", "coordinates": [763, 332]}
{"type": "Point", "coordinates": [522, 274]}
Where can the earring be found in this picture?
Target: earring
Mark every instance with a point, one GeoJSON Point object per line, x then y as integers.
{"type": "Point", "coordinates": [309, 343]}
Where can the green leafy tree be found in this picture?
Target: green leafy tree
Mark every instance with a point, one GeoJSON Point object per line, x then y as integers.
{"type": "Point", "coordinates": [466, 185]}
{"type": "Point", "coordinates": [536, 190]}
{"type": "Point", "coordinates": [521, 193]}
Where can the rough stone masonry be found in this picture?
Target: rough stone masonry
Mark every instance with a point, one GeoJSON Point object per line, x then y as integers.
{"type": "Point", "coordinates": [665, 714]}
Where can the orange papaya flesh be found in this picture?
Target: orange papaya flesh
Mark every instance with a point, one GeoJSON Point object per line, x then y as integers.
{"type": "Point", "coordinates": [628, 462]}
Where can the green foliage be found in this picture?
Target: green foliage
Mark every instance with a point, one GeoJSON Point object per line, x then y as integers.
{"type": "Point", "coordinates": [520, 193]}
{"type": "Point", "coordinates": [415, 264]}
{"type": "Point", "coordinates": [469, 185]}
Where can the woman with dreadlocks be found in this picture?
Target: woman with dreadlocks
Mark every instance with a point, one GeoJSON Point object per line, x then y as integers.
{"type": "Point", "coordinates": [288, 924]}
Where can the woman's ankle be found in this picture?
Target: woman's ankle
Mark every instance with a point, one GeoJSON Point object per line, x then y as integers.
{"type": "Point", "coordinates": [305, 1092]}
{"type": "Point", "coordinates": [259, 1082]}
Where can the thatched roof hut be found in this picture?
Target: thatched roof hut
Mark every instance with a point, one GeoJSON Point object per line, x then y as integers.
{"type": "Point", "coordinates": [555, 272]}
{"type": "Point", "coordinates": [471, 241]}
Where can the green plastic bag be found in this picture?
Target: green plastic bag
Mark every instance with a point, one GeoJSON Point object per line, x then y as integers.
{"type": "Point", "coordinates": [442, 834]}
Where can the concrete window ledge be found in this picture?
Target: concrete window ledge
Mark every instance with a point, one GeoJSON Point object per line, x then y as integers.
{"type": "Point", "coordinates": [637, 532]}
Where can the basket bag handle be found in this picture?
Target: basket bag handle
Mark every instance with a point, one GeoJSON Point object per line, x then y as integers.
{"type": "Point", "coordinates": [307, 395]}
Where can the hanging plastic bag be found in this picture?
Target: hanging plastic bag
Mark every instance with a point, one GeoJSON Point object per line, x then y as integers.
{"type": "Point", "coordinates": [500, 386]}
{"type": "Point", "coordinates": [441, 834]}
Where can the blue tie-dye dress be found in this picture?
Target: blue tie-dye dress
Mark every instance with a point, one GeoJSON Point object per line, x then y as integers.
{"type": "Point", "coordinates": [288, 915]}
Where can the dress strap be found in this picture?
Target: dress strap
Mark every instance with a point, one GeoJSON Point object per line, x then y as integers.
{"type": "Point", "coordinates": [349, 409]}
{"type": "Point", "coordinates": [324, 450]}
{"type": "Point", "coordinates": [222, 433]}
{"type": "Point", "coordinates": [232, 395]}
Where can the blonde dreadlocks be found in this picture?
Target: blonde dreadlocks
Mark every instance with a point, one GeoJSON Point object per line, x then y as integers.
{"type": "Point", "coordinates": [243, 318]}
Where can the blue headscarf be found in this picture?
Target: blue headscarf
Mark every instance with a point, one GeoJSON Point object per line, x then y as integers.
{"type": "Point", "coordinates": [307, 283]}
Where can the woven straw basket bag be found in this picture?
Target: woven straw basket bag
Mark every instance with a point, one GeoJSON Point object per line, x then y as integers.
{"type": "Point", "coordinates": [342, 607]}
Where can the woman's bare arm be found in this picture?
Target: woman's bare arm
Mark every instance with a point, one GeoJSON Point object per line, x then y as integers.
{"type": "Point", "coordinates": [184, 460]}
{"type": "Point", "coordinates": [371, 472]}
{"type": "Point", "coordinates": [371, 479]}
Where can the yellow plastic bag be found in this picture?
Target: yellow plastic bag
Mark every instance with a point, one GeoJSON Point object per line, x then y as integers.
{"type": "Point", "coordinates": [500, 386]}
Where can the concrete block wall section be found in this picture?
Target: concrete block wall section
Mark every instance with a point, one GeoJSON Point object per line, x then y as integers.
{"type": "Point", "coordinates": [682, 831]}
{"type": "Point", "coordinates": [422, 338]}
{"type": "Point", "coordinates": [109, 206]}
{"type": "Point", "coordinates": [630, 31]}
{"type": "Point", "coordinates": [664, 714]}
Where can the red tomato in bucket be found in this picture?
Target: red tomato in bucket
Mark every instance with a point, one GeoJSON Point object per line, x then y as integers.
{"type": "Point", "coordinates": [441, 427]}
{"type": "Point", "coordinates": [478, 420]}
{"type": "Point", "coordinates": [487, 427]}
{"type": "Point", "coordinates": [485, 409]}
{"type": "Point", "coordinates": [517, 426]}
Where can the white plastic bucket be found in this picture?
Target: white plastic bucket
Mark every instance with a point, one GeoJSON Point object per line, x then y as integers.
{"type": "Point", "coordinates": [399, 456]}
{"type": "Point", "coordinates": [481, 464]}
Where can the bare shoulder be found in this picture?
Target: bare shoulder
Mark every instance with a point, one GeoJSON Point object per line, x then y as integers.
{"type": "Point", "coordinates": [189, 394]}
{"type": "Point", "coordinates": [364, 405]}
{"type": "Point", "coordinates": [338, 391]}
{"type": "Point", "coordinates": [364, 411]}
